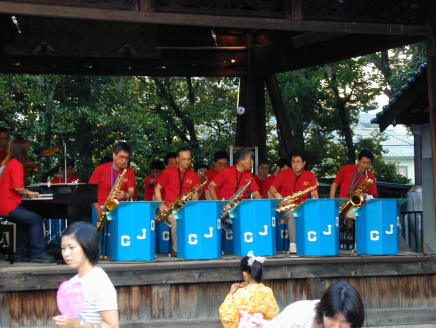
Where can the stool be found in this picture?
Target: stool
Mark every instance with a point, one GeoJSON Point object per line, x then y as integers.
{"type": "Point", "coordinates": [7, 249]}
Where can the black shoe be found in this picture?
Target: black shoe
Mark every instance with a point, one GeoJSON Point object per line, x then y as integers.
{"type": "Point", "coordinates": [19, 258]}
{"type": "Point", "coordinates": [43, 258]}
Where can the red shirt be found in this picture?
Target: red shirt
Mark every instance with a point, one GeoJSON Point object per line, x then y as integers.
{"type": "Point", "coordinates": [149, 186]}
{"type": "Point", "coordinates": [288, 183]}
{"type": "Point", "coordinates": [3, 153]}
{"type": "Point", "coordinates": [175, 182]}
{"type": "Point", "coordinates": [11, 178]}
{"type": "Point", "coordinates": [60, 179]}
{"type": "Point", "coordinates": [105, 176]}
{"type": "Point", "coordinates": [229, 180]}
{"type": "Point", "coordinates": [345, 180]}
{"type": "Point", "coordinates": [267, 184]}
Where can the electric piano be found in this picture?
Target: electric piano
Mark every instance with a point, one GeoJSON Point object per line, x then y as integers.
{"type": "Point", "coordinates": [62, 200]}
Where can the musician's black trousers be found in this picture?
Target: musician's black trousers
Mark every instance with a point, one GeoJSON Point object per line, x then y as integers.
{"type": "Point", "coordinates": [30, 236]}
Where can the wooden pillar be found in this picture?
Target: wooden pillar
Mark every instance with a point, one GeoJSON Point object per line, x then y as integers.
{"type": "Point", "coordinates": [284, 130]}
{"type": "Point", "coordinates": [251, 126]}
{"type": "Point", "coordinates": [431, 77]}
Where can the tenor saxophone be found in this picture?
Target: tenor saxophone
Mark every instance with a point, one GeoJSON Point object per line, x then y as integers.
{"type": "Point", "coordinates": [178, 203]}
{"type": "Point", "coordinates": [357, 197]}
{"type": "Point", "coordinates": [291, 202]}
{"type": "Point", "coordinates": [233, 203]}
{"type": "Point", "coordinates": [110, 202]}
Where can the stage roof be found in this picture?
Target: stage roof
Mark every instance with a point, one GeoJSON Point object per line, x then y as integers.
{"type": "Point", "coordinates": [198, 38]}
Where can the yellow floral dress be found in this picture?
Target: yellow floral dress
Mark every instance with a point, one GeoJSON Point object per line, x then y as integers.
{"type": "Point", "coordinates": [256, 298]}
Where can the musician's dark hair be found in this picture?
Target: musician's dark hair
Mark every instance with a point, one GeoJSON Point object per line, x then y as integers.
{"type": "Point", "coordinates": [170, 155]}
{"type": "Point", "coordinates": [220, 155]}
{"type": "Point", "coordinates": [365, 153]}
{"type": "Point", "coordinates": [87, 236]}
{"type": "Point", "coordinates": [301, 154]}
{"type": "Point", "coordinates": [201, 165]}
{"type": "Point", "coordinates": [184, 148]}
{"type": "Point", "coordinates": [157, 165]}
{"type": "Point", "coordinates": [2, 130]}
{"type": "Point", "coordinates": [255, 269]}
{"type": "Point", "coordinates": [282, 162]}
{"type": "Point", "coordinates": [19, 149]}
{"type": "Point", "coordinates": [122, 146]}
{"type": "Point", "coordinates": [242, 154]}
{"type": "Point", "coordinates": [341, 298]}
{"type": "Point", "coordinates": [263, 163]}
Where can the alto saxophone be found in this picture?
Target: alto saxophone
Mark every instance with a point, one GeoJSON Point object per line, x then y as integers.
{"type": "Point", "coordinates": [291, 202]}
{"type": "Point", "coordinates": [110, 202]}
{"type": "Point", "coordinates": [178, 203]}
{"type": "Point", "coordinates": [357, 197]}
{"type": "Point", "coordinates": [233, 203]}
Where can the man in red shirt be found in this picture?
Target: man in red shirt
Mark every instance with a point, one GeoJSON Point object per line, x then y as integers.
{"type": "Point", "coordinates": [175, 181]}
{"type": "Point", "coordinates": [220, 161]}
{"type": "Point", "coordinates": [289, 182]}
{"type": "Point", "coordinates": [262, 174]}
{"type": "Point", "coordinates": [105, 176]}
{"type": "Point", "coordinates": [70, 177]}
{"type": "Point", "coordinates": [30, 236]}
{"type": "Point", "coordinates": [156, 168]}
{"type": "Point", "coordinates": [282, 164]}
{"type": "Point", "coordinates": [4, 139]}
{"type": "Point", "coordinates": [351, 175]}
{"type": "Point", "coordinates": [232, 178]}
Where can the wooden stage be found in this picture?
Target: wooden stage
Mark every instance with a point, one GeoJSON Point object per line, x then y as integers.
{"type": "Point", "coordinates": [172, 292]}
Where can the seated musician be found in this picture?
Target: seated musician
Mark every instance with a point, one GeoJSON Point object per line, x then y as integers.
{"type": "Point", "coordinates": [30, 236]}
{"type": "Point", "coordinates": [175, 181]}
{"type": "Point", "coordinates": [4, 139]}
{"type": "Point", "coordinates": [282, 164]}
{"type": "Point", "coordinates": [156, 167]}
{"type": "Point", "coordinates": [220, 161]}
{"type": "Point", "coordinates": [70, 177]}
{"type": "Point", "coordinates": [262, 174]}
{"type": "Point", "coordinates": [289, 182]}
{"type": "Point", "coordinates": [351, 175]}
{"type": "Point", "coordinates": [105, 175]}
{"type": "Point", "coordinates": [232, 178]}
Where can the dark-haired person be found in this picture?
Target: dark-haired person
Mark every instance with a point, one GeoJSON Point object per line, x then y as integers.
{"type": "Point", "coordinates": [170, 159]}
{"type": "Point", "coordinates": [80, 250]}
{"type": "Point", "coordinates": [250, 298]}
{"type": "Point", "coordinates": [340, 306]}
{"type": "Point", "coordinates": [4, 139]}
{"type": "Point", "coordinates": [220, 162]}
{"type": "Point", "coordinates": [282, 164]}
{"type": "Point", "coordinates": [70, 174]}
{"type": "Point", "coordinates": [232, 178]}
{"type": "Point", "coordinates": [156, 167]}
{"type": "Point", "coordinates": [105, 175]}
{"type": "Point", "coordinates": [202, 170]}
{"type": "Point", "coordinates": [351, 175]}
{"type": "Point", "coordinates": [262, 174]}
{"type": "Point", "coordinates": [30, 236]}
{"type": "Point", "coordinates": [173, 182]}
{"type": "Point", "coordinates": [290, 181]}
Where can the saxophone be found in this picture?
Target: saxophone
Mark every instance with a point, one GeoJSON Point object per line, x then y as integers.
{"type": "Point", "coordinates": [357, 197]}
{"type": "Point", "coordinates": [290, 202]}
{"type": "Point", "coordinates": [233, 203]}
{"type": "Point", "coordinates": [178, 203]}
{"type": "Point", "coordinates": [110, 202]}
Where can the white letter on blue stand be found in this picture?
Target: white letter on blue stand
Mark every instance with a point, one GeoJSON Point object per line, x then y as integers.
{"type": "Point", "coordinates": [143, 236]}
{"type": "Point", "coordinates": [390, 232]}
{"type": "Point", "coordinates": [265, 231]}
{"type": "Point", "coordinates": [284, 234]}
{"type": "Point", "coordinates": [229, 234]}
{"type": "Point", "coordinates": [248, 237]}
{"type": "Point", "coordinates": [311, 236]}
{"type": "Point", "coordinates": [166, 235]}
{"type": "Point", "coordinates": [210, 234]}
{"type": "Point", "coordinates": [273, 221]}
{"type": "Point", "coordinates": [192, 239]}
{"type": "Point", "coordinates": [125, 240]}
{"type": "Point", "coordinates": [152, 225]}
{"type": "Point", "coordinates": [374, 235]}
{"type": "Point", "coordinates": [329, 231]}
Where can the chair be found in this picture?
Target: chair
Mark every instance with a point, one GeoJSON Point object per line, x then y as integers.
{"type": "Point", "coordinates": [7, 244]}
